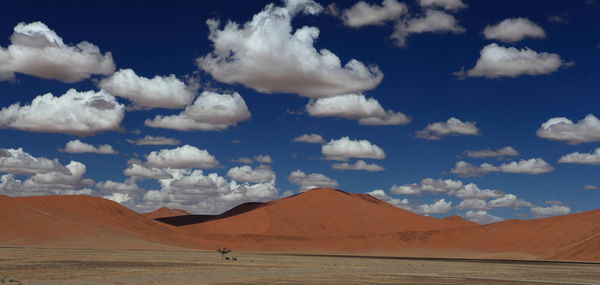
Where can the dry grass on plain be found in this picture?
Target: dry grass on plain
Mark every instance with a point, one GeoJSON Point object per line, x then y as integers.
{"type": "Point", "coordinates": [91, 266]}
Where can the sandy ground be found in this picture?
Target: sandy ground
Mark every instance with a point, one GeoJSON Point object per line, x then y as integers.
{"type": "Point", "coordinates": [88, 266]}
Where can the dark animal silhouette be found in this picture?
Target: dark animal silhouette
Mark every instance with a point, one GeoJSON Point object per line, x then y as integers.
{"type": "Point", "coordinates": [224, 251]}
{"type": "Point", "coordinates": [227, 258]}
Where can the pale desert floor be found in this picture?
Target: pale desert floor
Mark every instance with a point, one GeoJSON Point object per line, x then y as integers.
{"type": "Point", "coordinates": [87, 266]}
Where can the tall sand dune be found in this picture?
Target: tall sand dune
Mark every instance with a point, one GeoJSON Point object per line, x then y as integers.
{"type": "Point", "coordinates": [319, 220]}
{"type": "Point", "coordinates": [81, 221]}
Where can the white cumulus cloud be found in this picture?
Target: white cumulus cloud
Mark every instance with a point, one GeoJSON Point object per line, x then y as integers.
{"type": "Point", "coordinates": [312, 180]}
{"type": "Point", "coordinates": [358, 165]}
{"type": "Point", "coordinates": [17, 161]}
{"type": "Point", "coordinates": [482, 217]}
{"type": "Point", "coordinates": [186, 156]}
{"type": "Point", "coordinates": [509, 201]}
{"type": "Point", "coordinates": [345, 148]}
{"type": "Point", "coordinates": [268, 55]}
{"type": "Point", "coordinates": [438, 207]}
{"type": "Point", "coordinates": [309, 138]}
{"type": "Point", "coordinates": [513, 30]}
{"type": "Point", "coordinates": [37, 50]}
{"type": "Point", "coordinates": [527, 166]}
{"type": "Point", "coordinates": [77, 146]}
{"type": "Point", "coordinates": [453, 126]}
{"type": "Point", "coordinates": [157, 92]}
{"type": "Point", "coordinates": [554, 210]}
{"type": "Point", "coordinates": [582, 158]}
{"type": "Point", "coordinates": [434, 21]}
{"type": "Point", "coordinates": [263, 158]}
{"type": "Point", "coordinates": [74, 113]}
{"type": "Point", "coordinates": [143, 172]}
{"type": "Point", "coordinates": [355, 107]}
{"type": "Point", "coordinates": [365, 14]}
{"type": "Point", "coordinates": [497, 61]}
{"type": "Point", "coordinates": [210, 112]}
{"type": "Point", "coordinates": [563, 129]}
{"type": "Point", "coordinates": [247, 174]}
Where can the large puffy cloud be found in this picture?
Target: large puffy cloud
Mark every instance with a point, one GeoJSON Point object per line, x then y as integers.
{"type": "Point", "coordinates": [202, 193]}
{"type": "Point", "coordinates": [365, 14]}
{"type": "Point", "coordinates": [74, 113]}
{"type": "Point", "coordinates": [482, 217]}
{"type": "Point", "coordinates": [155, 140]}
{"type": "Point", "coordinates": [451, 5]}
{"type": "Point", "coordinates": [582, 158]}
{"type": "Point", "coordinates": [157, 92]}
{"type": "Point", "coordinates": [434, 21]}
{"type": "Point", "coordinates": [186, 156]}
{"type": "Point", "coordinates": [453, 126]}
{"type": "Point", "coordinates": [309, 138]}
{"type": "Point", "coordinates": [312, 180]}
{"type": "Point", "coordinates": [268, 56]}
{"type": "Point", "coordinates": [358, 165]}
{"type": "Point", "coordinates": [505, 151]}
{"type": "Point", "coordinates": [554, 210]}
{"type": "Point", "coordinates": [17, 161]}
{"type": "Point", "coordinates": [210, 112]}
{"type": "Point", "coordinates": [37, 50]}
{"type": "Point", "coordinates": [49, 183]}
{"type": "Point", "coordinates": [438, 207]}
{"type": "Point", "coordinates": [77, 146]}
{"type": "Point", "coordinates": [345, 148]}
{"type": "Point", "coordinates": [247, 174]}
{"type": "Point", "coordinates": [497, 61]}
{"type": "Point", "coordinates": [529, 166]}
{"type": "Point", "coordinates": [563, 129]}
{"type": "Point", "coordinates": [513, 30]}
{"type": "Point", "coordinates": [355, 107]}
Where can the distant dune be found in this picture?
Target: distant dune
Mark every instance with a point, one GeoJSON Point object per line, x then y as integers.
{"type": "Point", "coordinates": [320, 220]}
{"type": "Point", "coordinates": [166, 212]}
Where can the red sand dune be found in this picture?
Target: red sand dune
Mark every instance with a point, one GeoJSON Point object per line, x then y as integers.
{"type": "Point", "coordinates": [320, 220]}
{"type": "Point", "coordinates": [165, 212]}
{"type": "Point", "coordinates": [320, 213]}
{"type": "Point", "coordinates": [81, 221]}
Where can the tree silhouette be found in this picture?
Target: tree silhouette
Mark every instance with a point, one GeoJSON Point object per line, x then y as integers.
{"type": "Point", "coordinates": [223, 251]}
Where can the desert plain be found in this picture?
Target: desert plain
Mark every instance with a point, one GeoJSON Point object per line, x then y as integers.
{"type": "Point", "coordinates": [47, 266]}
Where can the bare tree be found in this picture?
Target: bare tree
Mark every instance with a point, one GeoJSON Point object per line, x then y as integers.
{"type": "Point", "coordinates": [223, 251]}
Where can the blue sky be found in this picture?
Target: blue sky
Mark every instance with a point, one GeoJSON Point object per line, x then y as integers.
{"type": "Point", "coordinates": [500, 68]}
